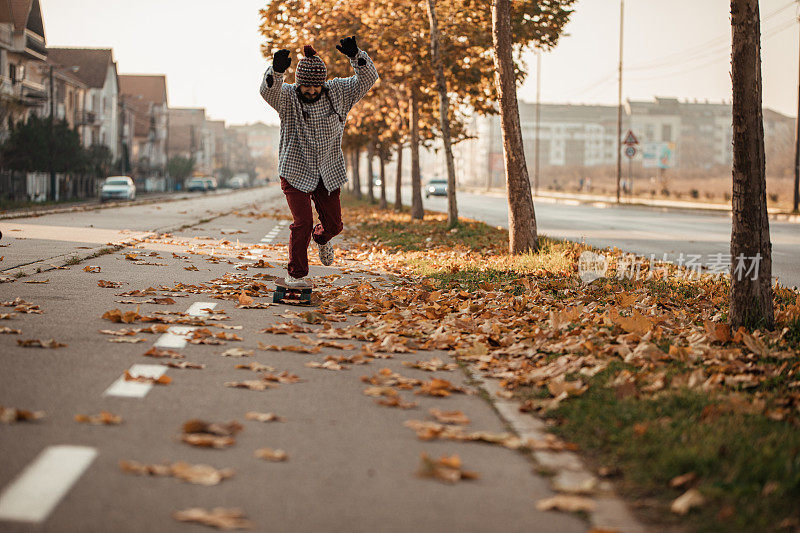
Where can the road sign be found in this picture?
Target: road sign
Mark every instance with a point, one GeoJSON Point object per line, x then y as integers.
{"type": "Point", "coordinates": [630, 151]}
{"type": "Point", "coordinates": [630, 139]}
{"type": "Point", "coordinates": [658, 155]}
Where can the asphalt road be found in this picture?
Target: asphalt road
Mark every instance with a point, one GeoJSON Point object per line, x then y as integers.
{"type": "Point", "coordinates": [640, 230]}
{"type": "Point", "coordinates": [351, 462]}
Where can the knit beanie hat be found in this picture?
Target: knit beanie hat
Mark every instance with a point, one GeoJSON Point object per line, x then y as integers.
{"type": "Point", "coordinates": [311, 69]}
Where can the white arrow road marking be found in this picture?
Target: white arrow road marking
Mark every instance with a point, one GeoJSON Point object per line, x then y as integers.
{"type": "Point", "coordinates": [36, 491]}
{"type": "Point", "coordinates": [197, 308]}
{"type": "Point", "coordinates": [135, 389]}
{"type": "Point", "coordinates": [174, 338]}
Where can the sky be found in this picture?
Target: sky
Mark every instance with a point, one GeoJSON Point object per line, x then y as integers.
{"type": "Point", "coordinates": [210, 51]}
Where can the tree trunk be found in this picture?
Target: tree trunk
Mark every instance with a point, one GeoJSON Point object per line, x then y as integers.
{"type": "Point", "coordinates": [370, 173]}
{"type": "Point", "coordinates": [416, 186]}
{"type": "Point", "coordinates": [382, 163]}
{"type": "Point", "coordinates": [356, 172]}
{"type": "Point", "coordinates": [444, 110]}
{"type": "Point", "coordinates": [751, 250]}
{"type": "Point", "coordinates": [398, 182]}
{"type": "Point", "coordinates": [522, 236]}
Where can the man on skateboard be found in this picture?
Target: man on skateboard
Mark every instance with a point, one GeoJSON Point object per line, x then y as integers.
{"type": "Point", "coordinates": [313, 112]}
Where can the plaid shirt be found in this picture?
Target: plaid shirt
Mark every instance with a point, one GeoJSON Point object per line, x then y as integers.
{"type": "Point", "coordinates": [311, 134]}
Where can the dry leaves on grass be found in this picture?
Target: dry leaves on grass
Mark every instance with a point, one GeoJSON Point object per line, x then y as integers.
{"type": "Point", "coordinates": [104, 418]}
{"type": "Point", "coordinates": [210, 435]}
{"type": "Point", "coordinates": [218, 517]}
{"type": "Point", "coordinates": [263, 417]}
{"type": "Point", "coordinates": [445, 469]}
{"type": "Point", "coordinates": [162, 380]}
{"type": "Point", "coordinates": [205, 475]}
{"type": "Point", "coordinates": [36, 343]}
{"type": "Point", "coordinates": [687, 501]}
{"type": "Point", "coordinates": [268, 454]}
{"type": "Point", "coordinates": [10, 415]}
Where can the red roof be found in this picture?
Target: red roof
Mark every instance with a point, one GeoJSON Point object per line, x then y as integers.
{"type": "Point", "coordinates": [92, 63]}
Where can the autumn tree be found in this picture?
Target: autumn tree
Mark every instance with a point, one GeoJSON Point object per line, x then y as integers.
{"type": "Point", "coordinates": [751, 249]}
{"type": "Point", "coordinates": [444, 112]}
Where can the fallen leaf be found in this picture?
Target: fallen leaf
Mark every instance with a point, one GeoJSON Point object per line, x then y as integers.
{"type": "Point", "coordinates": [36, 343]}
{"type": "Point", "coordinates": [245, 299]}
{"type": "Point", "coordinates": [218, 517]}
{"type": "Point", "coordinates": [10, 415]}
{"type": "Point", "coordinates": [687, 501]}
{"type": "Point", "coordinates": [9, 331]}
{"type": "Point", "coordinates": [90, 268]}
{"type": "Point", "coordinates": [184, 365]}
{"type": "Point", "coordinates": [679, 481]}
{"type": "Point", "coordinates": [205, 475]}
{"type": "Point", "coordinates": [108, 284]}
{"type": "Point", "coordinates": [250, 384]}
{"type": "Point", "coordinates": [449, 417]}
{"type": "Point", "coordinates": [159, 352]}
{"type": "Point", "coordinates": [268, 454]}
{"type": "Point", "coordinates": [129, 340]}
{"type": "Point", "coordinates": [263, 417]}
{"type": "Point", "coordinates": [396, 401]}
{"type": "Point", "coordinates": [163, 380]}
{"type": "Point", "coordinates": [104, 418]}
{"type": "Point", "coordinates": [238, 352]}
{"type": "Point", "coordinates": [445, 469]}
{"type": "Point", "coordinates": [38, 281]}
{"type": "Point", "coordinates": [567, 502]}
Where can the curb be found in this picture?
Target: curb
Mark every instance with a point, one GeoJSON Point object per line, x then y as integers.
{"type": "Point", "coordinates": [604, 203]}
{"type": "Point", "coordinates": [611, 513]}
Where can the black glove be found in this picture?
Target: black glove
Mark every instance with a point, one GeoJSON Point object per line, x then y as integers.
{"type": "Point", "coordinates": [281, 61]}
{"type": "Point", "coordinates": [348, 46]}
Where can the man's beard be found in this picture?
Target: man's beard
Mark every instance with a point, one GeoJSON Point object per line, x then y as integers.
{"type": "Point", "coordinates": [309, 100]}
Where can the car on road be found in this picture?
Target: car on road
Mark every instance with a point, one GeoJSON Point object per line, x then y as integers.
{"type": "Point", "coordinates": [211, 183]}
{"type": "Point", "coordinates": [237, 182]}
{"type": "Point", "coordinates": [196, 185]}
{"type": "Point", "coordinates": [436, 188]}
{"type": "Point", "coordinates": [118, 188]}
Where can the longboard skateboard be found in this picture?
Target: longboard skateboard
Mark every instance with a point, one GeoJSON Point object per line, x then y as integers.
{"type": "Point", "coordinates": [291, 295]}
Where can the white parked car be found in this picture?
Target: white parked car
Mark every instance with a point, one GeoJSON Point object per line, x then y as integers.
{"type": "Point", "coordinates": [118, 188]}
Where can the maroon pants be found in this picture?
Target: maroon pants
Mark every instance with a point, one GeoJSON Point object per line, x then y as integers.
{"type": "Point", "coordinates": [302, 229]}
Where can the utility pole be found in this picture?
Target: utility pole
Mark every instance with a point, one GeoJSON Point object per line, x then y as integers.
{"type": "Point", "coordinates": [538, 122]}
{"type": "Point", "coordinates": [619, 105]}
{"type": "Point", "coordinates": [51, 140]}
{"type": "Point", "coordinates": [796, 205]}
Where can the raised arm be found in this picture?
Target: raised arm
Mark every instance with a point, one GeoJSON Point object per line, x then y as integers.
{"type": "Point", "coordinates": [273, 89]}
{"type": "Point", "coordinates": [365, 75]}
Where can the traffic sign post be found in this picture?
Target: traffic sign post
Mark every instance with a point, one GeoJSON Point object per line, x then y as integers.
{"type": "Point", "coordinates": [630, 143]}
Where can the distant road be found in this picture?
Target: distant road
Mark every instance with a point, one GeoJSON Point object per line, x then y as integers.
{"type": "Point", "coordinates": [641, 230]}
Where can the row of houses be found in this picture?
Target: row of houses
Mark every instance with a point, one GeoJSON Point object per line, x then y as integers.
{"type": "Point", "coordinates": [128, 113]}
{"type": "Point", "coordinates": [699, 136]}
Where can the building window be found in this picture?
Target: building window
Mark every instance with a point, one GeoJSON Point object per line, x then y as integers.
{"type": "Point", "coordinates": [12, 73]}
{"type": "Point", "coordinates": [666, 132]}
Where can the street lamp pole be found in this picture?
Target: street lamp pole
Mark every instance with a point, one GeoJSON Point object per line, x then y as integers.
{"type": "Point", "coordinates": [796, 205]}
{"type": "Point", "coordinates": [51, 140]}
{"type": "Point", "coordinates": [619, 103]}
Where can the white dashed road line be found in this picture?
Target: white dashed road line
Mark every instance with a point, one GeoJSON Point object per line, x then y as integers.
{"type": "Point", "coordinates": [37, 490]}
{"type": "Point", "coordinates": [268, 238]}
{"type": "Point", "coordinates": [174, 338]}
{"type": "Point", "coordinates": [135, 389]}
